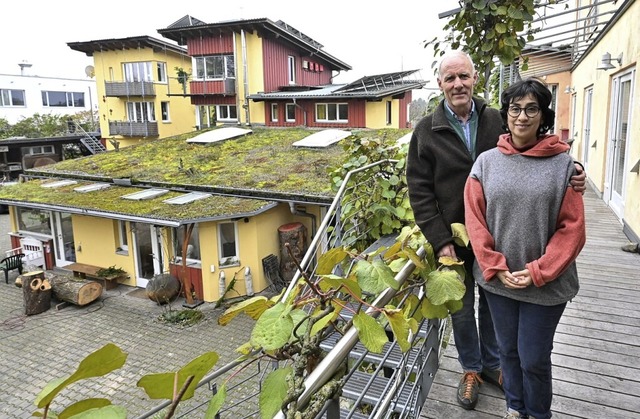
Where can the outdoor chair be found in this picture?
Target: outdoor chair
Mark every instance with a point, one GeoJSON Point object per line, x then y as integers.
{"type": "Point", "coordinates": [10, 263]}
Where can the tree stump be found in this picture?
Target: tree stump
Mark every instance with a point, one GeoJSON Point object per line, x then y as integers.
{"type": "Point", "coordinates": [295, 234]}
{"type": "Point", "coordinates": [163, 288]}
{"type": "Point", "coordinates": [36, 293]}
{"type": "Point", "coordinates": [75, 290]}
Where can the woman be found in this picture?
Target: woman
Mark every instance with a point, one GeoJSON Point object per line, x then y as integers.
{"type": "Point", "coordinates": [526, 226]}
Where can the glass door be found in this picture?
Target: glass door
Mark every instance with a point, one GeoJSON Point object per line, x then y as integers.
{"type": "Point", "coordinates": [147, 252]}
{"type": "Point", "coordinates": [63, 243]}
{"type": "Point", "coordinates": [586, 120]}
{"type": "Point", "coordinates": [620, 129]}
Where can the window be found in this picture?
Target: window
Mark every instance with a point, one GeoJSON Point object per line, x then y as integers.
{"type": "Point", "coordinates": [141, 111]}
{"type": "Point", "coordinates": [164, 109]}
{"type": "Point", "coordinates": [34, 220]}
{"type": "Point", "coordinates": [63, 99]}
{"type": "Point", "coordinates": [291, 112]}
{"type": "Point", "coordinates": [228, 244]}
{"type": "Point", "coordinates": [274, 112]}
{"type": "Point", "coordinates": [388, 112]}
{"type": "Point", "coordinates": [332, 112]}
{"type": "Point", "coordinates": [292, 69]}
{"type": "Point", "coordinates": [215, 67]}
{"type": "Point", "coordinates": [137, 72]}
{"type": "Point", "coordinates": [121, 237]}
{"type": "Point", "coordinates": [227, 113]}
{"type": "Point", "coordinates": [41, 149]}
{"type": "Point", "coordinates": [11, 97]}
{"type": "Point", "coordinates": [193, 246]}
{"type": "Point", "coordinates": [161, 72]}
{"type": "Point", "coordinates": [206, 116]}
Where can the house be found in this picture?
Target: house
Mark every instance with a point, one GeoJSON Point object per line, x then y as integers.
{"type": "Point", "coordinates": [23, 95]}
{"type": "Point", "coordinates": [140, 97]}
{"type": "Point", "coordinates": [604, 107]}
{"type": "Point", "coordinates": [258, 72]}
{"type": "Point", "coordinates": [233, 190]}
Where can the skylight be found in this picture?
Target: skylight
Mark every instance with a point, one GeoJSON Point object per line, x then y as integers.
{"type": "Point", "coordinates": [146, 194]}
{"type": "Point", "coordinates": [59, 183]}
{"type": "Point", "coordinates": [186, 198]}
{"type": "Point", "coordinates": [219, 134]}
{"type": "Point", "coordinates": [92, 187]}
{"type": "Point", "coordinates": [323, 138]}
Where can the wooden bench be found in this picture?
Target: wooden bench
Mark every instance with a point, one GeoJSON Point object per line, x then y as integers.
{"type": "Point", "coordinates": [82, 270]}
{"type": "Point", "coordinates": [10, 263]}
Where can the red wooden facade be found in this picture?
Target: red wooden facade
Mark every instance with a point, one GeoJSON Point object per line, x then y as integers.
{"type": "Point", "coordinates": [208, 45]}
{"type": "Point", "coordinates": [194, 276]}
{"type": "Point", "coordinates": [357, 114]}
{"type": "Point", "coordinates": [276, 68]}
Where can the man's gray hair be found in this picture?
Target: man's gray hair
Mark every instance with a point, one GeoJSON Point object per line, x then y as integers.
{"type": "Point", "coordinates": [453, 54]}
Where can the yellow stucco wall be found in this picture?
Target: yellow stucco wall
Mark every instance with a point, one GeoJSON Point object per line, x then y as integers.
{"type": "Point", "coordinates": [586, 76]}
{"type": "Point", "coordinates": [376, 114]}
{"type": "Point", "coordinates": [95, 242]}
{"type": "Point", "coordinates": [255, 70]}
{"type": "Point", "coordinates": [181, 112]}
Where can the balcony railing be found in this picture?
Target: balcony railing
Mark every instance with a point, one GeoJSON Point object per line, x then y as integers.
{"type": "Point", "coordinates": [133, 129]}
{"type": "Point", "coordinates": [129, 88]}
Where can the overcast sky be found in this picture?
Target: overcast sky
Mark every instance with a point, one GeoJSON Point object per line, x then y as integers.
{"type": "Point", "coordinates": [371, 37]}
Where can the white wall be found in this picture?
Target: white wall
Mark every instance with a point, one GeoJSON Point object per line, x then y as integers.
{"type": "Point", "coordinates": [33, 87]}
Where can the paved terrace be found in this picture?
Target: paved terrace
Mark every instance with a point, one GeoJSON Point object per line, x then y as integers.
{"type": "Point", "coordinates": [596, 356]}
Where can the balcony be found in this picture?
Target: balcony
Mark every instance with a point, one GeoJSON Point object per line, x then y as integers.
{"type": "Point", "coordinates": [129, 88]}
{"type": "Point", "coordinates": [133, 129]}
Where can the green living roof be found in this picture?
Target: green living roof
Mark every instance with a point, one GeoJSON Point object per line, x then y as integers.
{"type": "Point", "coordinates": [247, 175]}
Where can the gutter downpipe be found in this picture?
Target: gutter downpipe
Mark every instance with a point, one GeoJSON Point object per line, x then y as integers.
{"type": "Point", "coordinates": [304, 111]}
{"type": "Point", "coordinates": [328, 366]}
{"type": "Point", "coordinates": [295, 211]}
{"type": "Point", "coordinates": [245, 71]}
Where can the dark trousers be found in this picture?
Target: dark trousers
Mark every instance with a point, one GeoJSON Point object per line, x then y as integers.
{"type": "Point", "coordinates": [525, 334]}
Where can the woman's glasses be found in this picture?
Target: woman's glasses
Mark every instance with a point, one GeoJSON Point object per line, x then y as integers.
{"type": "Point", "coordinates": [530, 111]}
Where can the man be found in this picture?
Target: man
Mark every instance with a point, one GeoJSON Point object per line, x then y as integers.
{"type": "Point", "coordinates": [443, 148]}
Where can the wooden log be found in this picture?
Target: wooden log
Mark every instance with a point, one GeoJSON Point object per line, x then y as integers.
{"type": "Point", "coordinates": [36, 293]}
{"type": "Point", "coordinates": [295, 234]}
{"type": "Point", "coordinates": [75, 290]}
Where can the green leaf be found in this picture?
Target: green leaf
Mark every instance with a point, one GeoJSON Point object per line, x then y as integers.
{"type": "Point", "coordinates": [460, 236]}
{"type": "Point", "coordinates": [216, 402]}
{"type": "Point", "coordinates": [431, 311]}
{"type": "Point", "coordinates": [84, 405]}
{"type": "Point", "coordinates": [164, 385]}
{"type": "Point", "coordinates": [107, 412]}
{"type": "Point", "coordinates": [374, 277]}
{"type": "Point", "coordinates": [454, 305]}
{"type": "Point", "coordinates": [330, 259]}
{"type": "Point", "coordinates": [501, 28]}
{"type": "Point", "coordinates": [253, 307]}
{"type": "Point", "coordinates": [371, 333]}
{"type": "Point", "coordinates": [274, 390]}
{"type": "Point", "coordinates": [335, 282]}
{"type": "Point", "coordinates": [443, 286]}
{"type": "Point", "coordinates": [401, 327]}
{"type": "Point", "coordinates": [325, 320]}
{"type": "Point", "coordinates": [273, 328]}
{"type": "Point", "coordinates": [299, 316]}
{"type": "Point", "coordinates": [96, 364]}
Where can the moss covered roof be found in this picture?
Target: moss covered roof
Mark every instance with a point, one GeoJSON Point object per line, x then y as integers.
{"type": "Point", "coordinates": [257, 169]}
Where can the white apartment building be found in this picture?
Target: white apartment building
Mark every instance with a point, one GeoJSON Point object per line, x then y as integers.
{"type": "Point", "coordinates": [23, 95]}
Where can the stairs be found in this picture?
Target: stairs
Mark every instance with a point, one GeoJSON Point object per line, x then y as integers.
{"type": "Point", "coordinates": [89, 141]}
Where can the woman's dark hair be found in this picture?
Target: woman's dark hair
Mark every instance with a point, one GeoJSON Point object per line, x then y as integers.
{"type": "Point", "coordinates": [536, 88]}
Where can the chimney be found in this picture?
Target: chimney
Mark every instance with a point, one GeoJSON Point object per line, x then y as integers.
{"type": "Point", "coordinates": [24, 64]}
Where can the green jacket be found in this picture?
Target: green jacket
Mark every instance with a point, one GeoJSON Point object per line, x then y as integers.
{"type": "Point", "coordinates": [438, 165]}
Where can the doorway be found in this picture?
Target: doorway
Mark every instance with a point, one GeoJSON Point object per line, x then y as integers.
{"type": "Point", "coordinates": [63, 243]}
{"type": "Point", "coordinates": [147, 252]}
{"type": "Point", "coordinates": [619, 135]}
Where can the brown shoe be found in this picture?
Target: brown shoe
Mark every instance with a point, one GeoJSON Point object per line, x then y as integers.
{"type": "Point", "coordinates": [468, 389]}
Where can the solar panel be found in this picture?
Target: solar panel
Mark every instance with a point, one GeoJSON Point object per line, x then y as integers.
{"type": "Point", "coordinates": [186, 198]}
{"type": "Point", "coordinates": [59, 183]}
{"type": "Point", "coordinates": [146, 194]}
{"type": "Point", "coordinates": [323, 138]}
{"type": "Point", "coordinates": [92, 187]}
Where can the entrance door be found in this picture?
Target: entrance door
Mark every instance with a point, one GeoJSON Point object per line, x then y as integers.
{"type": "Point", "coordinates": [619, 133]}
{"type": "Point", "coordinates": [147, 252]}
{"type": "Point", "coordinates": [586, 144]}
{"type": "Point", "coordinates": [63, 243]}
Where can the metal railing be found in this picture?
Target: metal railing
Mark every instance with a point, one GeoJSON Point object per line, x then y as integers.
{"type": "Point", "coordinates": [404, 387]}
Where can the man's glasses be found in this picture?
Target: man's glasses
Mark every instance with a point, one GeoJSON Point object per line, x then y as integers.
{"type": "Point", "coordinates": [530, 111]}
